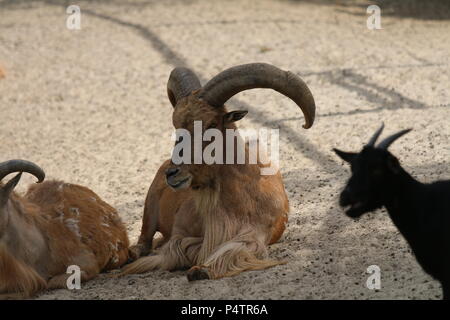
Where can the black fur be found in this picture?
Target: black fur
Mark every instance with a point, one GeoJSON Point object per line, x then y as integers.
{"type": "Point", "coordinates": [420, 211]}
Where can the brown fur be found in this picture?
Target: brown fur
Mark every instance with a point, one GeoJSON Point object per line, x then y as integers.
{"type": "Point", "coordinates": [53, 226]}
{"type": "Point", "coordinates": [222, 223]}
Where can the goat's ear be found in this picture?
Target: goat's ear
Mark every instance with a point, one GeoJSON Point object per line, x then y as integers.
{"type": "Point", "coordinates": [346, 156]}
{"type": "Point", "coordinates": [393, 164]}
{"type": "Point", "coordinates": [6, 190]}
{"type": "Point", "coordinates": [234, 116]}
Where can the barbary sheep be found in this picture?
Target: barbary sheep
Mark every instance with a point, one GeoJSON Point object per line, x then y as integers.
{"type": "Point", "coordinates": [421, 212]}
{"type": "Point", "coordinates": [217, 219]}
{"type": "Point", "coordinates": [54, 226]}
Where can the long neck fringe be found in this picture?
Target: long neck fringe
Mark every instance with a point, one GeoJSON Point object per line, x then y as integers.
{"type": "Point", "coordinates": [217, 228]}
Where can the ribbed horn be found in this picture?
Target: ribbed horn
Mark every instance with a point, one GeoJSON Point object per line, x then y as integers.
{"type": "Point", "coordinates": [259, 75]}
{"type": "Point", "coordinates": [11, 166]}
{"type": "Point", "coordinates": [182, 81]}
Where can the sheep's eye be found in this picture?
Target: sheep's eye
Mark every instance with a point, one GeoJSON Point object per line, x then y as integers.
{"type": "Point", "coordinates": [212, 125]}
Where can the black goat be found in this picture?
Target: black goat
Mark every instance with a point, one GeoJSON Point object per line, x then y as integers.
{"type": "Point", "coordinates": [420, 211]}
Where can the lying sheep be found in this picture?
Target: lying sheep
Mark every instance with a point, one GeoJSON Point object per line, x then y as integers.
{"type": "Point", "coordinates": [217, 219]}
{"type": "Point", "coordinates": [420, 211]}
{"type": "Point", "coordinates": [55, 225]}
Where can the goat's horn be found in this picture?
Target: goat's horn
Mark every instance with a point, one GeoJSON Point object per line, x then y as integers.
{"type": "Point", "coordinates": [259, 75]}
{"type": "Point", "coordinates": [389, 140]}
{"type": "Point", "coordinates": [11, 166]}
{"type": "Point", "coordinates": [375, 137]}
{"type": "Point", "coordinates": [182, 81]}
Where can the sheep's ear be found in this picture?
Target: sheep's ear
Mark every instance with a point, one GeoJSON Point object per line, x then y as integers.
{"type": "Point", "coordinates": [6, 190]}
{"type": "Point", "coordinates": [346, 156]}
{"type": "Point", "coordinates": [393, 164]}
{"type": "Point", "coordinates": [234, 116]}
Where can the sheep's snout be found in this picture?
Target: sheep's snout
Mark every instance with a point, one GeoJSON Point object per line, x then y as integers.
{"type": "Point", "coordinates": [172, 172]}
{"type": "Point", "coordinates": [176, 179]}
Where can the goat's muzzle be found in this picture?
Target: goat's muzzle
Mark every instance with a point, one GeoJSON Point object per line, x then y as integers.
{"type": "Point", "coordinates": [356, 207]}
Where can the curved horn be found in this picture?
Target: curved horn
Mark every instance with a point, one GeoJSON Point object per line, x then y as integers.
{"type": "Point", "coordinates": [11, 166]}
{"type": "Point", "coordinates": [389, 140]}
{"type": "Point", "coordinates": [260, 75]}
{"type": "Point", "coordinates": [182, 81]}
{"type": "Point", "coordinates": [375, 137]}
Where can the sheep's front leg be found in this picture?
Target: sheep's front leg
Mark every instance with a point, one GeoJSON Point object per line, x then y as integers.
{"type": "Point", "coordinates": [149, 227]}
{"type": "Point", "coordinates": [198, 273]}
{"type": "Point", "coordinates": [231, 258]}
{"type": "Point", "coordinates": [177, 253]}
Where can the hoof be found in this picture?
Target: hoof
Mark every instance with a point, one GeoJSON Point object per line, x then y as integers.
{"type": "Point", "coordinates": [197, 273]}
{"type": "Point", "coordinates": [134, 253]}
{"type": "Point", "coordinates": [137, 251]}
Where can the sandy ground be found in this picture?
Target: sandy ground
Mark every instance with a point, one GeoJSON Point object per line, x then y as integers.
{"type": "Point", "coordinates": [90, 107]}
